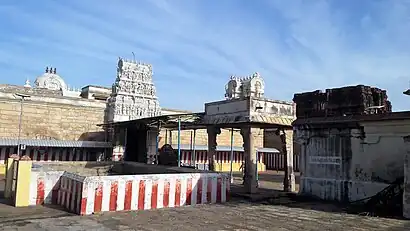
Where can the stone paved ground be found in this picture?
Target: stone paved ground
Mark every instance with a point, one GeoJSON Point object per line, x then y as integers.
{"type": "Point", "coordinates": [236, 215]}
{"type": "Point", "coordinates": [231, 216]}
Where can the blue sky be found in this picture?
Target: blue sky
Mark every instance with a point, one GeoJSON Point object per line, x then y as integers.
{"type": "Point", "coordinates": [195, 45]}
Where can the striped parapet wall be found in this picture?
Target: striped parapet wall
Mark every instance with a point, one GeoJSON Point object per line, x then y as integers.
{"type": "Point", "coordinates": [48, 154]}
{"type": "Point", "coordinates": [223, 157]}
{"type": "Point", "coordinates": [93, 194]}
{"type": "Point", "coordinates": [44, 187]}
{"type": "Point", "coordinates": [143, 192]}
{"type": "Point", "coordinates": [70, 193]}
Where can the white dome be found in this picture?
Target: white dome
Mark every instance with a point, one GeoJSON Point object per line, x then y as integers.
{"type": "Point", "coordinates": [50, 80]}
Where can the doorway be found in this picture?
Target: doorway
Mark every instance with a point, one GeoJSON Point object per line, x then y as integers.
{"type": "Point", "coordinates": [136, 148]}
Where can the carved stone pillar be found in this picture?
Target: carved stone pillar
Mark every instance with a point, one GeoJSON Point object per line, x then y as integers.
{"type": "Point", "coordinates": [213, 132]}
{"type": "Point", "coordinates": [248, 133]}
{"type": "Point", "coordinates": [287, 150]}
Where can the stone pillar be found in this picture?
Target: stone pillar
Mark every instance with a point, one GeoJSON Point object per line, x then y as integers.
{"type": "Point", "coordinates": [248, 135]}
{"type": "Point", "coordinates": [406, 193]}
{"type": "Point", "coordinates": [152, 151]}
{"type": "Point", "coordinates": [287, 150]}
{"type": "Point", "coordinates": [119, 145]}
{"type": "Point", "coordinates": [213, 132]}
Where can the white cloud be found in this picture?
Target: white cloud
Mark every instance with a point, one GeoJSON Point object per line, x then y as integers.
{"type": "Point", "coordinates": [195, 45]}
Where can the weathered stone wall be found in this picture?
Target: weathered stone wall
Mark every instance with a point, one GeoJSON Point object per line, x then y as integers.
{"type": "Point", "coordinates": [44, 120]}
{"type": "Point", "coordinates": [363, 158]}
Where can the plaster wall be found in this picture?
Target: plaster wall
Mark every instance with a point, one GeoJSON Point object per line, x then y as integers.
{"type": "Point", "coordinates": [341, 164]}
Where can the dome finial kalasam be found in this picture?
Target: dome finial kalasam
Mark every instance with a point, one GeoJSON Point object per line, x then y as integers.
{"type": "Point", "coordinates": [50, 80]}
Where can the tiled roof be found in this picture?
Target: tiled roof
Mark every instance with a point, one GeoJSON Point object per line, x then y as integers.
{"type": "Point", "coordinates": [55, 143]}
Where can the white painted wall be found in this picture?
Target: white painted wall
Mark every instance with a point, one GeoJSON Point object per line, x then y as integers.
{"type": "Point", "coordinates": [366, 164]}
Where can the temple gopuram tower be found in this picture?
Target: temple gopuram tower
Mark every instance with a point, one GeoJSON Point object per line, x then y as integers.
{"type": "Point", "coordinates": [133, 93]}
{"type": "Point", "coordinates": [133, 97]}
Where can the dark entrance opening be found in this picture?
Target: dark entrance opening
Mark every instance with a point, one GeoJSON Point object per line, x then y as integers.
{"type": "Point", "coordinates": [136, 148]}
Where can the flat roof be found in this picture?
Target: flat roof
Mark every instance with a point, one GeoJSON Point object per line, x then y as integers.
{"type": "Point", "coordinates": [353, 118]}
{"type": "Point", "coordinates": [197, 121]}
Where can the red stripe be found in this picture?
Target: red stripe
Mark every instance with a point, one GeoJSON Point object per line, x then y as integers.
{"type": "Point", "coordinates": [209, 190]}
{"type": "Point", "coordinates": [83, 206]}
{"type": "Point", "coordinates": [98, 198]}
{"type": "Point", "coordinates": [199, 192]}
{"type": "Point", "coordinates": [177, 193]}
{"type": "Point", "coordinates": [45, 156]}
{"type": "Point", "coordinates": [38, 156]}
{"type": "Point", "coordinates": [189, 192]}
{"type": "Point", "coordinates": [141, 195]}
{"type": "Point", "coordinates": [40, 191]}
{"type": "Point", "coordinates": [60, 155]}
{"type": "Point", "coordinates": [113, 196]}
{"type": "Point", "coordinates": [128, 195]}
{"type": "Point", "coordinates": [32, 153]}
{"type": "Point", "coordinates": [219, 190]}
{"type": "Point", "coordinates": [154, 195]}
{"type": "Point", "coordinates": [167, 186]}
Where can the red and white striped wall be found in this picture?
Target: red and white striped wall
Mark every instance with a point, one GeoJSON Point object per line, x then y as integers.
{"type": "Point", "coordinates": [221, 157]}
{"type": "Point", "coordinates": [49, 154]}
{"type": "Point", "coordinates": [143, 192]}
{"type": "Point", "coordinates": [44, 187]}
{"type": "Point", "coordinates": [70, 193]}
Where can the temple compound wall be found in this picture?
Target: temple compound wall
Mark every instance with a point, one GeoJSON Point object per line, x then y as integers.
{"type": "Point", "coordinates": [351, 159]}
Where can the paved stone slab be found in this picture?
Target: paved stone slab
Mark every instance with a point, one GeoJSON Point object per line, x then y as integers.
{"type": "Point", "coordinates": [231, 216]}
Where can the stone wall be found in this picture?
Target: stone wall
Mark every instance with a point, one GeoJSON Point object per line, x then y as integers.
{"type": "Point", "coordinates": [45, 120]}
{"type": "Point", "coordinates": [351, 161]}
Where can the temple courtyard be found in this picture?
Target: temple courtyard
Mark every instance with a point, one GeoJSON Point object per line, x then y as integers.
{"type": "Point", "coordinates": [283, 213]}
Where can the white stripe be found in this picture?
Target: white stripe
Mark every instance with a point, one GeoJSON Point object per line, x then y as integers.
{"type": "Point", "coordinates": [194, 190]}
{"type": "Point", "coordinates": [204, 189]}
{"type": "Point", "coordinates": [172, 185]}
{"type": "Point", "coordinates": [35, 154]}
{"type": "Point", "coordinates": [49, 182]}
{"type": "Point", "coordinates": [33, 188]}
{"type": "Point", "coordinates": [223, 189]}
{"type": "Point", "coordinates": [160, 198]}
{"type": "Point", "coordinates": [106, 195]}
{"type": "Point", "coordinates": [148, 194]}
{"type": "Point", "coordinates": [214, 189]}
{"type": "Point", "coordinates": [77, 156]}
{"type": "Point", "coordinates": [90, 195]}
{"type": "Point", "coordinates": [3, 155]}
{"type": "Point", "coordinates": [184, 183]}
{"type": "Point", "coordinates": [135, 193]}
{"type": "Point", "coordinates": [120, 194]}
